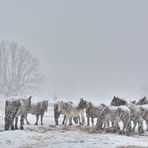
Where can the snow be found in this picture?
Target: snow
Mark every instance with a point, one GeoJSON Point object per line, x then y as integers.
{"type": "Point", "coordinates": [51, 136]}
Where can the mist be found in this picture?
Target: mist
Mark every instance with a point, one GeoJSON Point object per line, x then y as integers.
{"type": "Point", "coordinates": [91, 49]}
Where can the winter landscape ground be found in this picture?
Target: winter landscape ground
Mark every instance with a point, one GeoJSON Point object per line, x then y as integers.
{"type": "Point", "coordinates": [51, 136]}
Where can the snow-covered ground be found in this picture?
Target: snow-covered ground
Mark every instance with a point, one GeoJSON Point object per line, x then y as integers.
{"type": "Point", "coordinates": [51, 136]}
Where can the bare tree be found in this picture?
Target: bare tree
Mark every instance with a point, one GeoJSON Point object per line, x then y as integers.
{"type": "Point", "coordinates": [19, 70]}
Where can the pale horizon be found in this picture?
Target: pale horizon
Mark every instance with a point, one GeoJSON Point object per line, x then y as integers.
{"type": "Point", "coordinates": [90, 49]}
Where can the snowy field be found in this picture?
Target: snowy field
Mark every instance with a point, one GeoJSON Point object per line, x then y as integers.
{"type": "Point", "coordinates": [51, 136]}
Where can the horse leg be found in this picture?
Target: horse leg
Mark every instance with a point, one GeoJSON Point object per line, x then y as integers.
{"type": "Point", "coordinates": [21, 122]}
{"type": "Point", "coordinates": [99, 123]}
{"type": "Point", "coordinates": [70, 121]}
{"type": "Point", "coordinates": [16, 120]}
{"type": "Point", "coordinates": [63, 120]}
{"type": "Point", "coordinates": [128, 127]}
{"type": "Point", "coordinates": [12, 125]}
{"type": "Point", "coordinates": [42, 118]}
{"type": "Point", "coordinates": [24, 119]}
{"type": "Point", "coordinates": [75, 119]}
{"type": "Point", "coordinates": [83, 119]}
{"type": "Point", "coordinates": [135, 123]}
{"type": "Point", "coordinates": [37, 118]}
{"type": "Point", "coordinates": [140, 126]}
{"type": "Point", "coordinates": [124, 125]}
{"type": "Point", "coordinates": [117, 127]}
{"type": "Point", "coordinates": [56, 115]}
{"type": "Point", "coordinates": [147, 124]}
{"type": "Point", "coordinates": [92, 121]}
{"type": "Point", "coordinates": [88, 123]}
{"type": "Point", "coordinates": [67, 118]}
{"type": "Point", "coordinates": [27, 119]}
{"type": "Point", "coordinates": [107, 124]}
{"type": "Point", "coordinates": [112, 124]}
{"type": "Point", "coordinates": [80, 120]}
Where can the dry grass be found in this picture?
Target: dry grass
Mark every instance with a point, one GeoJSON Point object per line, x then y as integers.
{"type": "Point", "coordinates": [132, 146]}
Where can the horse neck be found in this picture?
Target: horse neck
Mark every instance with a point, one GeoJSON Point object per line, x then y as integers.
{"type": "Point", "coordinates": [25, 104]}
{"type": "Point", "coordinates": [66, 108]}
{"type": "Point", "coordinates": [78, 108]}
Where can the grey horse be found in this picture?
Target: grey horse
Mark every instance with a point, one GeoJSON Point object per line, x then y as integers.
{"type": "Point", "coordinates": [58, 113]}
{"type": "Point", "coordinates": [11, 109]}
{"type": "Point", "coordinates": [115, 115]}
{"type": "Point", "coordinates": [38, 109]}
{"type": "Point", "coordinates": [70, 110]}
{"type": "Point", "coordinates": [25, 105]}
{"type": "Point", "coordinates": [91, 110]}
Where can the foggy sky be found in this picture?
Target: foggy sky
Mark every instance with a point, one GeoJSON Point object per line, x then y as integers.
{"type": "Point", "coordinates": [91, 49]}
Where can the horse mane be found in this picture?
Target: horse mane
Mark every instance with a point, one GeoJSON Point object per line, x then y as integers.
{"type": "Point", "coordinates": [116, 101]}
{"type": "Point", "coordinates": [67, 105]}
{"type": "Point", "coordinates": [103, 105]}
{"type": "Point", "coordinates": [70, 102]}
{"type": "Point", "coordinates": [142, 101]}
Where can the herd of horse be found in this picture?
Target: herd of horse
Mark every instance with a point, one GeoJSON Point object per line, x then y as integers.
{"type": "Point", "coordinates": [21, 107]}
{"type": "Point", "coordinates": [120, 116]}
{"type": "Point", "coordinates": [109, 117]}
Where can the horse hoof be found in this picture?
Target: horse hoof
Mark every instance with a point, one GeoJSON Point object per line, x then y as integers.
{"type": "Point", "coordinates": [12, 128]}
{"type": "Point", "coordinates": [21, 128]}
{"type": "Point", "coordinates": [6, 129]}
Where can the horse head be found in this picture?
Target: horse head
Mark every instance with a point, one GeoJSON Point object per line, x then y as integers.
{"type": "Point", "coordinates": [26, 103]}
{"type": "Point", "coordinates": [82, 104]}
{"type": "Point", "coordinates": [45, 104]}
{"type": "Point", "coordinates": [60, 106]}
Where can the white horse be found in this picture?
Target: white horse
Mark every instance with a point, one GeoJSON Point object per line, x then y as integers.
{"type": "Point", "coordinates": [70, 110]}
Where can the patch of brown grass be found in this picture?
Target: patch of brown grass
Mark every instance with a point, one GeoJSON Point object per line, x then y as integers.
{"type": "Point", "coordinates": [132, 146]}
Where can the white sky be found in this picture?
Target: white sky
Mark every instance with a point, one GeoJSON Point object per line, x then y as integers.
{"type": "Point", "coordinates": [91, 49]}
